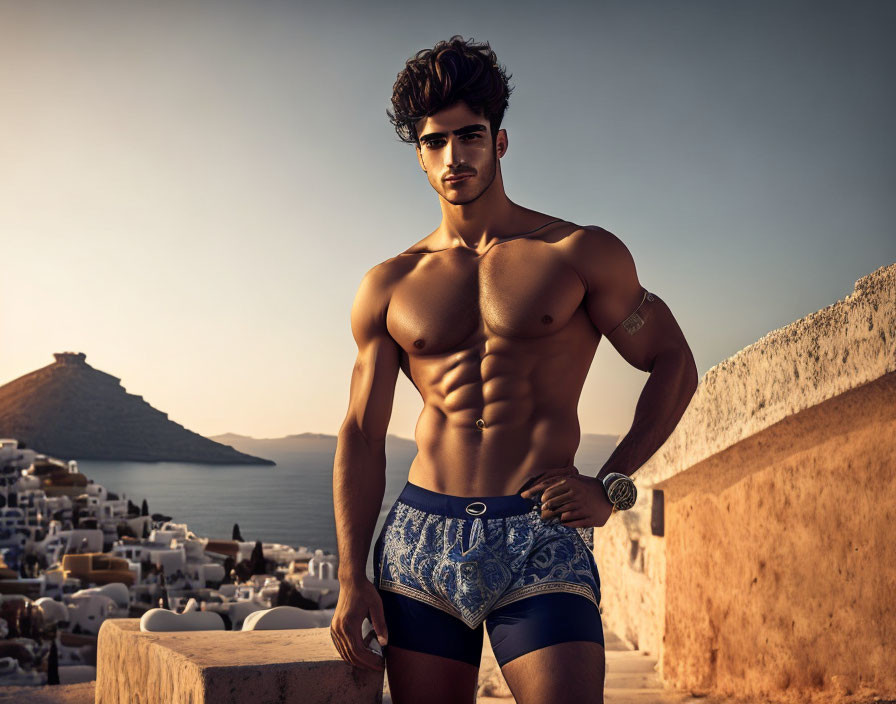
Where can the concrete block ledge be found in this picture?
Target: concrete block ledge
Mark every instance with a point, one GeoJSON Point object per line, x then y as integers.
{"type": "Point", "coordinates": [226, 667]}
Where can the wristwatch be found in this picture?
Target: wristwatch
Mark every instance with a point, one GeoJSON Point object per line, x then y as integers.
{"type": "Point", "coordinates": [621, 491]}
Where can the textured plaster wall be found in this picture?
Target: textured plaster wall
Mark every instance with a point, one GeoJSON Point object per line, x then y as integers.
{"type": "Point", "coordinates": [790, 369]}
{"type": "Point", "coordinates": [781, 569]}
{"type": "Point", "coordinates": [632, 567]}
{"type": "Point", "coordinates": [740, 406]}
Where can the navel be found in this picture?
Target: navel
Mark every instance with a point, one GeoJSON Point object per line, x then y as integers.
{"type": "Point", "coordinates": [419, 343]}
{"type": "Point", "coordinates": [546, 319]}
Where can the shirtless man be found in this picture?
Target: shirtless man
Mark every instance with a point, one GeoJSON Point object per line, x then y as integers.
{"type": "Point", "coordinates": [495, 317]}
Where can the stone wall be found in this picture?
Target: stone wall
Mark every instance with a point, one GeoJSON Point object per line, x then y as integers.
{"type": "Point", "coordinates": [773, 577]}
{"type": "Point", "coordinates": [226, 667]}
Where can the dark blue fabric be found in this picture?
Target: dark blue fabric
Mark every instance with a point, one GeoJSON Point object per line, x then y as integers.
{"type": "Point", "coordinates": [443, 571]}
{"type": "Point", "coordinates": [470, 565]}
{"type": "Point", "coordinates": [456, 506]}
{"type": "Point", "coordinates": [539, 621]}
{"type": "Point", "coordinates": [515, 629]}
{"type": "Point", "coordinates": [420, 627]}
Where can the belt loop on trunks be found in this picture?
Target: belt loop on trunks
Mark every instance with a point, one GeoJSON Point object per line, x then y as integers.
{"type": "Point", "coordinates": [477, 508]}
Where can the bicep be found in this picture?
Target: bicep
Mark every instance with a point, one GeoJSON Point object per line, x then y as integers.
{"type": "Point", "coordinates": [649, 331]}
{"type": "Point", "coordinates": [372, 388]}
{"type": "Point", "coordinates": [376, 366]}
{"type": "Point", "coordinates": [637, 322]}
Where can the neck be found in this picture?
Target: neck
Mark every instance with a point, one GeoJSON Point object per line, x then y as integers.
{"type": "Point", "coordinates": [478, 223]}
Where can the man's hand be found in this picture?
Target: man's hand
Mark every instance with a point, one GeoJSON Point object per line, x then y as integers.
{"type": "Point", "coordinates": [357, 600]}
{"type": "Point", "coordinates": [578, 501]}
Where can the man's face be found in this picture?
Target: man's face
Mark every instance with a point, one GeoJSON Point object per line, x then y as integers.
{"type": "Point", "coordinates": [457, 153]}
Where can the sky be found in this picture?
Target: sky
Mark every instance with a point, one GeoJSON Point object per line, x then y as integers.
{"type": "Point", "coordinates": [190, 192]}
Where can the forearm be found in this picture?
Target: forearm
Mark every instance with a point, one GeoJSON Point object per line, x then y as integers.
{"type": "Point", "coordinates": [662, 403]}
{"type": "Point", "coordinates": [359, 481]}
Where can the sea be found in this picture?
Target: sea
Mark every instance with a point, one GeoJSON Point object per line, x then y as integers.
{"type": "Point", "coordinates": [289, 503]}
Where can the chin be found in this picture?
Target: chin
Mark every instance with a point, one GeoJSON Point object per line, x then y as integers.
{"type": "Point", "coordinates": [466, 201]}
{"type": "Point", "coordinates": [461, 198]}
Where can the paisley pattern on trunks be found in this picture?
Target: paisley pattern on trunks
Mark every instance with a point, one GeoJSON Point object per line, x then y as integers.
{"type": "Point", "coordinates": [469, 566]}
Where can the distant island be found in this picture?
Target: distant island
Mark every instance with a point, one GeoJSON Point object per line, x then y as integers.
{"type": "Point", "coordinates": [318, 449]}
{"type": "Point", "coordinates": [303, 445]}
{"type": "Point", "coordinates": [69, 409]}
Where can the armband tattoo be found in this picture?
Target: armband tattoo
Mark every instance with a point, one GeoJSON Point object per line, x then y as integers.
{"type": "Point", "coordinates": [634, 322]}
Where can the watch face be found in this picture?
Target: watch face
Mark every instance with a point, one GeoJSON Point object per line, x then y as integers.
{"type": "Point", "coordinates": [622, 493]}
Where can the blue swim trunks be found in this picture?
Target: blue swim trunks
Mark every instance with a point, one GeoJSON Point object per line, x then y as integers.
{"type": "Point", "coordinates": [444, 565]}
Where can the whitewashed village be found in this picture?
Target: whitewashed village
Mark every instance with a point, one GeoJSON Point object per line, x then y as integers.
{"type": "Point", "coordinates": [73, 554]}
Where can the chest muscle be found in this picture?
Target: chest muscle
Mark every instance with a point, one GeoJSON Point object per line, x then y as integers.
{"type": "Point", "coordinates": [519, 289]}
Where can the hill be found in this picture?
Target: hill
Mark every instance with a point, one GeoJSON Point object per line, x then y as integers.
{"type": "Point", "coordinates": [70, 410]}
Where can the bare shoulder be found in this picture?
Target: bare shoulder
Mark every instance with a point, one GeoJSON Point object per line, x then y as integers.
{"type": "Point", "coordinates": [386, 273]}
{"type": "Point", "coordinates": [608, 272]}
{"type": "Point", "coordinates": [637, 322]}
{"type": "Point", "coordinates": [602, 259]}
{"type": "Point", "coordinates": [379, 281]}
{"type": "Point", "coordinates": [368, 314]}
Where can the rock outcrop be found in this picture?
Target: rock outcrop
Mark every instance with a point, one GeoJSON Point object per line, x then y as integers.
{"type": "Point", "coordinates": [69, 409]}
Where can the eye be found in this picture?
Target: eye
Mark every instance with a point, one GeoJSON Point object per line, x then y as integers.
{"type": "Point", "coordinates": [434, 143]}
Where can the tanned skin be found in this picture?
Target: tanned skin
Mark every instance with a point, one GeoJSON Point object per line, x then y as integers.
{"type": "Point", "coordinates": [492, 324]}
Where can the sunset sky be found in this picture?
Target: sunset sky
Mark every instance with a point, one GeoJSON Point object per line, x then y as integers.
{"type": "Point", "coordinates": [190, 192]}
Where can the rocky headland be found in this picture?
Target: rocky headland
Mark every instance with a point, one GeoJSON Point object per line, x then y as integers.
{"type": "Point", "coordinates": [70, 409]}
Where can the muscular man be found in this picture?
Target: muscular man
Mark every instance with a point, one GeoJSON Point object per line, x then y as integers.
{"type": "Point", "coordinates": [495, 317]}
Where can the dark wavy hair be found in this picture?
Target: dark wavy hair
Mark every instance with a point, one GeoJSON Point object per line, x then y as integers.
{"type": "Point", "coordinates": [453, 70]}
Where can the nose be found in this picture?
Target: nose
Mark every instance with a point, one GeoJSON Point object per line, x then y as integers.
{"type": "Point", "coordinates": [453, 154]}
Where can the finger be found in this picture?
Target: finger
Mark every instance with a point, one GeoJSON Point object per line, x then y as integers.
{"type": "Point", "coordinates": [378, 620]}
{"type": "Point", "coordinates": [541, 486]}
{"type": "Point", "coordinates": [558, 506]}
{"type": "Point", "coordinates": [574, 514]}
{"type": "Point", "coordinates": [558, 488]}
{"type": "Point", "coordinates": [341, 646]}
{"type": "Point", "coordinates": [341, 642]}
{"type": "Point", "coordinates": [361, 656]}
{"type": "Point", "coordinates": [556, 492]}
{"type": "Point", "coordinates": [338, 644]}
{"type": "Point", "coordinates": [538, 492]}
{"type": "Point", "coordinates": [529, 482]}
{"type": "Point", "coordinates": [557, 512]}
{"type": "Point", "coordinates": [546, 477]}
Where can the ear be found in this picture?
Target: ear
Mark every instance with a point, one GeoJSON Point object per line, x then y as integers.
{"type": "Point", "coordinates": [501, 142]}
{"type": "Point", "coordinates": [420, 157]}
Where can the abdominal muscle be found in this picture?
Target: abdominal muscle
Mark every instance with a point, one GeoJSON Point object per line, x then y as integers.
{"type": "Point", "coordinates": [496, 461]}
{"type": "Point", "coordinates": [527, 394]}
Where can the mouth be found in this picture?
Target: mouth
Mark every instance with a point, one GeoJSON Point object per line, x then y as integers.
{"type": "Point", "coordinates": [459, 177]}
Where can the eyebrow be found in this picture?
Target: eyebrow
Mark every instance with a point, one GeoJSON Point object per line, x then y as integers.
{"type": "Point", "coordinates": [468, 129]}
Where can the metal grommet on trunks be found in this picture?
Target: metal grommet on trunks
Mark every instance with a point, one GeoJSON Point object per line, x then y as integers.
{"type": "Point", "coordinates": [477, 508]}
